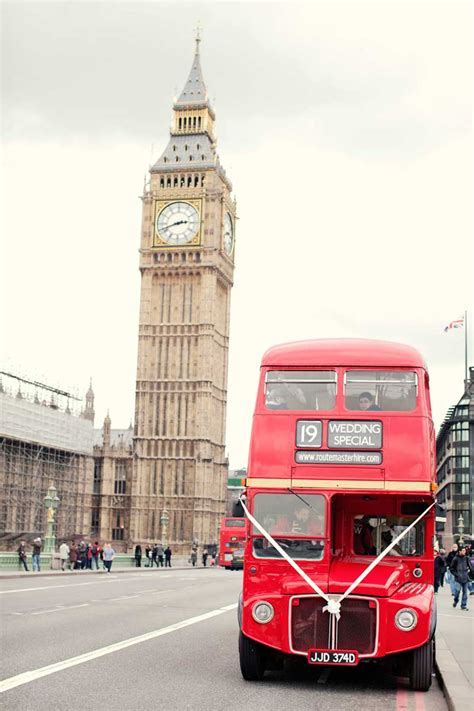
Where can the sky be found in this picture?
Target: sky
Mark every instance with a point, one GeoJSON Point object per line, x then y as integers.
{"type": "Point", "coordinates": [345, 128]}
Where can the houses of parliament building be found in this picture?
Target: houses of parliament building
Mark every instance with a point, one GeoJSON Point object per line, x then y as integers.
{"type": "Point", "coordinates": [166, 476]}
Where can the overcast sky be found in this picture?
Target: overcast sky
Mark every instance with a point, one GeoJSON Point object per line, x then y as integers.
{"type": "Point", "coordinates": [344, 127]}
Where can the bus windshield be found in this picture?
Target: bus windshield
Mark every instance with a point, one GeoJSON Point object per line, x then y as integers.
{"type": "Point", "coordinates": [296, 522]}
{"type": "Point", "coordinates": [372, 534]}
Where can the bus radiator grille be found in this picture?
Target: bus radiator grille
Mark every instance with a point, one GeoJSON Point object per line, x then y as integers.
{"type": "Point", "coordinates": [356, 629]}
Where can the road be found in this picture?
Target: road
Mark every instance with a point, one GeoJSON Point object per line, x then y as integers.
{"type": "Point", "coordinates": [159, 639]}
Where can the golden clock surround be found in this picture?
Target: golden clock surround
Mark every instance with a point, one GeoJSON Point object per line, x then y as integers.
{"type": "Point", "coordinates": [159, 206]}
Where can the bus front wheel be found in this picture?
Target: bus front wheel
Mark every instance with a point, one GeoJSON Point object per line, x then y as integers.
{"type": "Point", "coordinates": [252, 658]}
{"type": "Point", "coordinates": [422, 667]}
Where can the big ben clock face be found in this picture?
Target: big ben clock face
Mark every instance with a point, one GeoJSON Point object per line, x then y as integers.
{"type": "Point", "coordinates": [228, 234]}
{"type": "Point", "coordinates": [177, 223]}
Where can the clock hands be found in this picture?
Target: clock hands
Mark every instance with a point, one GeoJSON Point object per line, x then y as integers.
{"type": "Point", "coordinates": [180, 222]}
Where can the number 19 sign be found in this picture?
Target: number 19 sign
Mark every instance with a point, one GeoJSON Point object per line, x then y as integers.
{"type": "Point", "coordinates": [309, 433]}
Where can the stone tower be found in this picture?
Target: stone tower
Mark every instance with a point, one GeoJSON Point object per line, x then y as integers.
{"type": "Point", "coordinates": [186, 265]}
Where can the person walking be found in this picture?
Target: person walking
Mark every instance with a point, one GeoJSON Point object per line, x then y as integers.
{"type": "Point", "coordinates": [154, 554]}
{"type": "Point", "coordinates": [36, 557]}
{"type": "Point", "coordinates": [138, 556]}
{"type": "Point", "coordinates": [82, 555]}
{"type": "Point", "coordinates": [205, 554]}
{"type": "Point", "coordinates": [160, 552]}
{"type": "Point", "coordinates": [147, 556]}
{"type": "Point", "coordinates": [461, 569]}
{"type": "Point", "coordinates": [109, 555]}
{"type": "Point", "coordinates": [439, 569]}
{"type": "Point", "coordinates": [193, 557]}
{"type": "Point", "coordinates": [449, 576]}
{"type": "Point", "coordinates": [95, 555]}
{"type": "Point", "coordinates": [168, 554]}
{"type": "Point", "coordinates": [73, 556]}
{"type": "Point", "coordinates": [22, 555]}
{"type": "Point", "coordinates": [63, 555]}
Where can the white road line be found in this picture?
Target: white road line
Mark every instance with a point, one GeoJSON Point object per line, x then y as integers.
{"type": "Point", "coordinates": [27, 677]}
{"type": "Point", "coordinates": [124, 597]}
{"type": "Point", "coordinates": [60, 609]}
{"type": "Point", "coordinates": [52, 587]}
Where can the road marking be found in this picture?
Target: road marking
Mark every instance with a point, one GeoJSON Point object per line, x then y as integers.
{"type": "Point", "coordinates": [60, 609]}
{"type": "Point", "coordinates": [469, 617]}
{"type": "Point", "coordinates": [51, 587]}
{"type": "Point", "coordinates": [124, 597]}
{"type": "Point", "coordinates": [27, 677]}
{"type": "Point", "coordinates": [401, 699]}
{"type": "Point", "coordinates": [419, 701]}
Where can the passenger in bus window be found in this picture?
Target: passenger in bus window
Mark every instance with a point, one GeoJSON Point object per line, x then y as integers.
{"type": "Point", "coordinates": [363, 539]}
{"type": "Point", "coordinates": [275, 399]}
{"type": "Point", "coordinates": [303, 521]}
{"type": "Point", "coordinates": [367, 402]}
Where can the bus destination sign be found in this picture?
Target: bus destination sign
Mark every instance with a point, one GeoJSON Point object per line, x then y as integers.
{"type": "Point", "coordinates": [302, 457]}
{"type": "Point", "coordinates": [354, 434]}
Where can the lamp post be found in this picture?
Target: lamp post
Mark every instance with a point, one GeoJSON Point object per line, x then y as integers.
{"type": "Point", "coordinates": [461, 528]}
{"type": "Point", "coordinates": [164, 520]}
{"type": "Point", "coordinates": [51, 503]}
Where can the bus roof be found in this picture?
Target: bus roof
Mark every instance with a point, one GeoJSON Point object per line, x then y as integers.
{"type": "Point", "coordinates": [343, 352]}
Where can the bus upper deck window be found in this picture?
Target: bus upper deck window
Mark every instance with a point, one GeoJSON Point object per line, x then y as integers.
{"type": "Point", "coordinates": [300, 389]}
{"type": "Point", "coordinates": [392, 390]}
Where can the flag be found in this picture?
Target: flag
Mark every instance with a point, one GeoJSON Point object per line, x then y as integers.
{"type": "Point", "coordinates": [458, 323]}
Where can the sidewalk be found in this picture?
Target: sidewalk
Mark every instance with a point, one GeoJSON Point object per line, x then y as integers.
{"type": "Point", "coordinates": [181, 563]}
{"type": "Point", "coordinates": [455, 650]}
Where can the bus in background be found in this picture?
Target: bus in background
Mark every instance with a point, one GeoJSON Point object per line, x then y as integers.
{"type": "Point", "coordinates": [338, 565]}
{"type": "Point", "coordinates": [232, 537]}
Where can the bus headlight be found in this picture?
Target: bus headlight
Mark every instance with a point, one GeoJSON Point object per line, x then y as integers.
{"type": "Point", "coordinates": [406, 619]}
{"type": "Point", "coordinates": [262, 612]}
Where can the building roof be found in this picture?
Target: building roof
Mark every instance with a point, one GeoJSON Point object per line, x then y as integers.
{"type": "Point", "coordinates": [118, 438]}
{"type": "Point", "coordinates": [343, 352]}
{"type": "Point", "coordinates": [195, 91]}
{"type": "Point", "coordinates": [31, 422]}
{"type": "Point", "coordinates": [188, 152]}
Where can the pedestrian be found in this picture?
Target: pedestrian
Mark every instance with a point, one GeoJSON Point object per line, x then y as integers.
{"type": "Point", "coordinates": [449, 575]}
{"type": "Point", "coordinates": [138, 556]}
{"type": "Point", "coordinates": [88, 556]}
{"type": "Point", "coordinates": [205, 554]}
{"type": "Point", "coordinates": [193, 557]}
{"type": "Point", "coordinates": [95, 550]}
{"type": "Point", "coordinates": [147, 556]}
{"type": "Point", "coordinates": [82, 555]}
{"type": "Point", "coordinates": [442, 553]}
{"type": "Point", "coordinates": [160, 552]}
{"type": "Point", "coordinates": [22, 555]}
{"type": "Point", "coordinates": [36, 557]}
{"type": "Point", "coordinates": [168, 554]}
{"type": "Point", "coordinates": [109, 555]}
{"type": "Point", "coordinates": [73, 556]}
{"type": "Point", "coordinates": [439, 568]}
{"type": "Point", "coordinates": [154, 554]}
{"type": "Point", "coordinates": [461, 569]}
{"type": "Point", "coordinates": [63, 555]}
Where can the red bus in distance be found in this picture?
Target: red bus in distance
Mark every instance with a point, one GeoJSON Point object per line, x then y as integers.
{"type": "Point", "coordinates": [338, 564]}
{"type": "Point", "coordinates": [232, 536]}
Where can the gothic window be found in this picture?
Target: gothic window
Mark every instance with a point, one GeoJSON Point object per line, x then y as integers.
{"type": "Point", "coordinates": [174, 149]}
{"type": "Point", "coordinates": [179, 123]}
{"type": "Point", "coordinates": [120, 483]}
{"type": "Point", "coordinates": [196, 181]}
{"type": "Point", "coordinates": [185, 146]}
{"type": "Point", "coordinates": [118, 531]}
{"type": "Point", "coordinates": [165, 159]}
{"type": "Point", "coordinates": [199, 122]}
{"type": "Point", "coordinates": [203, 157]}
{"type": "Point", "coordinates": [189, 181]}
{"type": "Point", "coordinates": [95, 518]}
{"type": "Point", "coordinates": [185, 122]}
{"type": "Point", "coordinates": [198, 146]}
{"type": "Point", "coordinates": [194, 122]}
{"type": "Point", "coordinates": [97, 476]}
{"type": "Point", "coordinates": [177, 159]}
{"type": "Point", "coordinates": [190, 157]}
{"type": "Point", "coordinates": [182, 182]}
{"type": "Point", "coordinates": [162, 182]}
{"type": "Point", "coordinates": [176, 180]}
{"type": "Point", "coordinates": [168, 182]}
{"type": "Point", "coordinates": [202, 181]}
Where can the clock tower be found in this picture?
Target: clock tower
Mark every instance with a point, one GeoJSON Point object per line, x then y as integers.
{"type": "Point", "coordinates": [186, 265]}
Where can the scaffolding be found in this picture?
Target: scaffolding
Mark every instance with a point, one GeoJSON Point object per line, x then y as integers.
{"type": "Point", "coordinates": [42, 442]}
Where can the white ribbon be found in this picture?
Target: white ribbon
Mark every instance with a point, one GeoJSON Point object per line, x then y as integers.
{"type": "Point", "coordinates": [333, 606]}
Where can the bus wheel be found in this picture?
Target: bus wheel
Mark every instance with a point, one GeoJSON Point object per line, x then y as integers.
{"type": "Point", "coordinates": [422, 667]}
{"type": "Point", "coordinates": [252, 658]}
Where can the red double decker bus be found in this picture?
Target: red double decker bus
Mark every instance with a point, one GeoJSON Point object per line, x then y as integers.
{"type": "Point", "coordinates": [232, 537]}
{"type": "Point", "coordinates": [338, 564]}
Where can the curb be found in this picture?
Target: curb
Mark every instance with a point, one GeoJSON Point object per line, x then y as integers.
{"type": "Point", "coordinates": [455, 686]}
{"type": "Point", "coordinates": [81, 573]}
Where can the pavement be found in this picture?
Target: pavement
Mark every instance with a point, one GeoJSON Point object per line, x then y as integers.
{"type": "Point", "coordinates": [455, 650]}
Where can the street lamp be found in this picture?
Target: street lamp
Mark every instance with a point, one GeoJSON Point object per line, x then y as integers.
{"type": "Point", "coordinates": [51, 503]}
{"type": "Point", "coordinates": [461, 528]}
{"type": "Point", "coordinates": [164, 521]}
